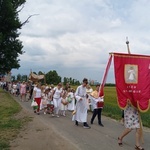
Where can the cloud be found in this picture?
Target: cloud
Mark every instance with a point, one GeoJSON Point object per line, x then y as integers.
{"type": "Point", "coordinates": [77, 36]}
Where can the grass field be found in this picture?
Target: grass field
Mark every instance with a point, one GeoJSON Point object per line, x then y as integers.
{"type": "Point", "coordinates": [9, 125]}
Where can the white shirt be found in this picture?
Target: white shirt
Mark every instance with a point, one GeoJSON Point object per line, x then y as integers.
{"type": "Point", "coordinates": [94, 101]}
{"type": "Point", "coordinates": [37, 92]}
{"type": "Point", "coordinates": [57, 93]}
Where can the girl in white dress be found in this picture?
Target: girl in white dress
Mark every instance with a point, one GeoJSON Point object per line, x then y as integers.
{"type": "Point", "coordinates": [71, 100]}
{"type": "Point", "coordinates": [44, 101]}
{"type": "Point", "coordinates": [57, 96]}
{"type": "Point", "coordinates": [64, 103]}
{"type": "Point", "coordinates": [14, 89]}
{"type": "Point", "coordinates": [49, 99]}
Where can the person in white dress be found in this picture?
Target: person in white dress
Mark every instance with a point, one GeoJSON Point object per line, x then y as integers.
{"type": "Point", "coordinates": [44, 101]}
{"type": "Point", "coordinates": [64, 103]}
{"type": "Point", "coordinates": [57, 96]}
{"type": "Point", "coordinates": [81, 104]}
{"type": "Point", "coordinates": [14, 88]}
{"type": "Point", "coordinates": [71, 100]}
{"type": "Point", "coordinates": [49, 100]}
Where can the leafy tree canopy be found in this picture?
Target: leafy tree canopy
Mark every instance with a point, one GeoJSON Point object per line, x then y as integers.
{"type": "Point", "coordinates": [52, 77]}
{"type": "Point", "coordinates": [10, 45]}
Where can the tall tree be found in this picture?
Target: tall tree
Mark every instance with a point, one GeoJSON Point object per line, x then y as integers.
{"type": "Point", "coordinates": [13, 78]}
{"type": "Point", "coordinates": [40, 73]}
{"type": "Point", "coordinates": [65, 80]}
{"type": "Point", "coordinates": [24, 77]}
{"type": "Point", "coordinates": [19, 77]}
{"type": "Point", "coordinates": [10, 45]}
{"type": "Point", "coordinates": [52, 77]}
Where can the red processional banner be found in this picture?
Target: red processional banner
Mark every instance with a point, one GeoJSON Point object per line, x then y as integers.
{"type": "Point", "coordinates": [132, 76]}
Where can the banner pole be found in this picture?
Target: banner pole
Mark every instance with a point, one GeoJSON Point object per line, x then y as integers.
{"type": "Point", "coordinates": [127, 42]}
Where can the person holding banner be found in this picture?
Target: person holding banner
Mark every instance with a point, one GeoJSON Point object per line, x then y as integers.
{"type": "Point", "coordinates": [95, 99]}
{"type": "Point", "coordinates": [131, 121]}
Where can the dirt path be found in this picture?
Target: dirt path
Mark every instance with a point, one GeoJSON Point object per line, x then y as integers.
{"type": "Point", "coordinates": [37, 136]}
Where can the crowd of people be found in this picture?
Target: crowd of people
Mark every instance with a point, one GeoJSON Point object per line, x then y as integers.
{"type": "Point", "coordinates": [18, 88]}
{"type": "Point", "coordinates": [56, 100]}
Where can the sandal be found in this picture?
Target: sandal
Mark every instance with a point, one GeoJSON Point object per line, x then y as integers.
{"type": "Point", "coordinates": [139, 147]}
{"type": "Point", "coordinates": [119, 142]}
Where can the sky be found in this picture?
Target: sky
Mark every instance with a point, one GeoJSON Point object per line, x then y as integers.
{"type": "Point", "coordinates": [75, 37]}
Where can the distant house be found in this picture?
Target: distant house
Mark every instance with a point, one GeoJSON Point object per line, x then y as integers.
{"type": "Point", "coordinates": [93, 82]}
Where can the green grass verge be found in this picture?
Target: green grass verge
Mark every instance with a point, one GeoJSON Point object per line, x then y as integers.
{"type": "Point", "coordinates": [9, 124]}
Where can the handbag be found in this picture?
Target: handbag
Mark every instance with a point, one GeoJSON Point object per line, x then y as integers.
{"type": "Point", "coordinates": [64, 102]}
{"type": "Point", "coordinates": [34, 103]}
{"type": "Point", "coordinates": [51, 103]}
{"type": "Point", "coordinates": [69, 99]}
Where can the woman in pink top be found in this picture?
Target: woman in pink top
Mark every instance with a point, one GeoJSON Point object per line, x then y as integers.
{"type": "Point", "coordinates": [23, 91]}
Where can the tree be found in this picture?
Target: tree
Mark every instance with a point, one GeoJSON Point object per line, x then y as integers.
{"type": "Point", "coordinates": [24, 77]}
{"type": "Point", "coordinates": [10, 45]}
{"type": "Point", "coordinates": [71, 81]}
{"type": "Point", "coordinates": [19, 77]}
{"type": "Point", "coordinates": [40, 73]}
{"type": "Point", "coordinates": [76, 82]}
{"type": "Point", "coordinates": [65, 80]}
{"type": "Point", "coordinates": [13, 78]}
{"type": "Point", "coordinates": [52, 77]}
{"type": "Point", "coordinates": [35, 73]}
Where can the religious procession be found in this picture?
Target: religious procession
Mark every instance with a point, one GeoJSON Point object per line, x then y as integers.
{"type": "Point", "coordinates": [57, 100]}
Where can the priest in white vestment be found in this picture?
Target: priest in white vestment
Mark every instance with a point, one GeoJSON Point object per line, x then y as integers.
{"type": "Point", "coordinates": [81, 104]}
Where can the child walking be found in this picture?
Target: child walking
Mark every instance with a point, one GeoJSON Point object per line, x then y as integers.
{"type": "Point", "coordinates": [64, 103]}
{"type": "Point", "coordinates": [44, 101]}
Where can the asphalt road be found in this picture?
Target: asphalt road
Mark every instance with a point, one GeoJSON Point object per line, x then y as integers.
{"type": "Point", "coordinates": [103, 138]}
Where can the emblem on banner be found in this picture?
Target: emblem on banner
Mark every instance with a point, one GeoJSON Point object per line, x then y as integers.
{"type": "Point", "coordinates": [131, 74]}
